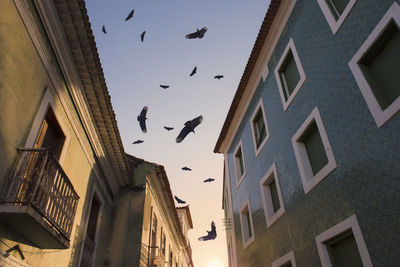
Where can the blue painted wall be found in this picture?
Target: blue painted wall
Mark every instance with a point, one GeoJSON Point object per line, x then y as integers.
{"type": "Point", "coordinates": [367, 180]}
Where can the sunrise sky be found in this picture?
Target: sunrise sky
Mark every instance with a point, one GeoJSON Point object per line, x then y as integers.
{"type": "Point", "coordinates": [134, 71]}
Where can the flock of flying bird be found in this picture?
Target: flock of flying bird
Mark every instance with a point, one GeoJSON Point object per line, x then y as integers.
{"type": "Point", "coordinates": [189, 125]}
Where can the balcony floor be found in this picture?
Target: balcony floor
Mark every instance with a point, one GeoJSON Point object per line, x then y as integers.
{"type": "Point", "coordinates": [28, 222]}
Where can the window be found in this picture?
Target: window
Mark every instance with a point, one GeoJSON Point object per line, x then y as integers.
{"type": "Point", "coordinates": [271, 195]}
{"type": "Point", "coordinates": [170, 257]}
{"type": "Point", "coordinates": [162, 241]}
{"type": "Point", "coordinates": [376, 67]}
{"type": "Point", "coordinates": [240, 167]}
{"type": "Point", "coordinates": [336, 11]}
{"type": "Point", "coordinates": [246, 222]}
{"type": "Point", "coordinates": [259, 127]}
{"type": "Point", "coordinates": [285, 261]}
{"type": "Point", "coordinates": [343, 245]}
{"type": "Point", "coordinates": [289, 74]}
{"type": "Point", "coordinates": [313, 151]}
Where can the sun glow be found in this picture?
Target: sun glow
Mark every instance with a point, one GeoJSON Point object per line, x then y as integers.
{"type": "Point", "coordinates": [216, 263]}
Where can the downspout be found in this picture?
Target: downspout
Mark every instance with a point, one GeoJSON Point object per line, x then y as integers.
{"type": "Point", "coordinates": [148, 250]}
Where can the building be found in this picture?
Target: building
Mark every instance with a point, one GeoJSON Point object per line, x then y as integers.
{"type": "Point", "coordinates": [155, 231]}
{"type": "Point", "coordinates": [63, 168]}
{"type": "Point", "coordinates": [311, 139]}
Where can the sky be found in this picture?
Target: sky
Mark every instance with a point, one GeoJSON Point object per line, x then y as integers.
{"type": "Point", "coordinates": [134, 70]}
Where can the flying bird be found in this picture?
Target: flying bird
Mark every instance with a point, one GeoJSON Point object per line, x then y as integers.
{"type": "Point", "coordinates": [186, 169]}
{"type": "Point", "coordinates": [142, 36]}
{"type": "Point", "coordinates": [218, 76]}
{"type": "Point", "coordinates": [197, 34]}
{"type": "Point", "coordinates": [130, 15]}
{"type": "Point", "coordinates": [211, 235]}
{"type": "Point", "coordinates": [142, 119]}
{"type": "Point", "coordinates": [193, 71]}
{"type": "Point", "coordinates": [138, 142]}
{"type": "Point", "coordinates": [189, 127]}
{"type": "Point", "coordinates": [163, 86]}
{"type": "Point", "coordinates": [209, 180]}
{"type": "Point", "coordinates": [180, 201]}
{"type": "Point", "coordinates": [104, 29]}
{"type": "Point", "coordinates": [168, 128]}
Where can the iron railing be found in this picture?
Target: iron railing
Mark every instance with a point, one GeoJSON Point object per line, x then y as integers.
{"type": "Point", "coordinates": [151, 256]}
{"type": "Point", "coordinates": [87, 253]}
{"type": "Point", "coordinates": [38, 180]}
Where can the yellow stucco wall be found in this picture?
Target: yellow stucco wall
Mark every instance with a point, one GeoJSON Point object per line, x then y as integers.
{"type": "Point", "coordinates": [23, 79]}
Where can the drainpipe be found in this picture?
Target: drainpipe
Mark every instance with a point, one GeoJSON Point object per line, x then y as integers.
{"type": "Point", "coordinates": [148, 250]}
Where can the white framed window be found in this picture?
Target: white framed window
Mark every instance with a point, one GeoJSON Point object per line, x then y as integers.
{"type": "Point", "coordinates": [313, 151]}
{"type": "Point", "coordinates": [285, 261]}
{"type": "Point", "coordinates": [239, 162]}
{"type": "Point", "coordinates": [376, 67]}
{"type": "Point", "coordinates": [259, 127]}
{"type": "Point", "coordinates": [289, 74]}
{"type": "Point", "coordinates": [343, 245]}
{"type": "Point", "coordinates": [336, 11]}
{"type": "Point", "coordinates": [246, 222]}
{"type": "Point", "coordinates": [271, 196]}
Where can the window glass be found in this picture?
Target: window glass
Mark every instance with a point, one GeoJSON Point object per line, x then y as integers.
{"type": "Point", "coordinates": [315, 148]}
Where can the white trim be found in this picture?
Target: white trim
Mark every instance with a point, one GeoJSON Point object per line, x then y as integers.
{"type": "Point", "coordinates": [288, 257]}
{"type": "Point", "coordinates": [48, 100]}
{"type": "Point", "coordinates": [251, 238]}
{"type": "Point", "coordinates": [95, 190]}
{"type": "Point", "coordinates": [230, 232]}
{"type": "Point", "coordinates": [270, 215]}
{"type": "Point", "coordinates": [239, 179]}
{"type": "Point", "coordinates": [380, 116]}
{"type": "Point", "coordinates": [292, 48]}
{"type": "Point", "coordinates": [308, 179]}
{"type": "Point", "coordinates": [260, 105]}
{"type": "Point", "coordinates": [349, 223]}
{"type": "Point", "coordinates": [333, 23]}
{"type": "Point", "coordinates": [277, 26]}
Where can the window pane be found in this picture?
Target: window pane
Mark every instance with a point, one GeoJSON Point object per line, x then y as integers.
{"type": "Point", "coordinates": [315, 148]}
{"type": "Point", "coordinates": [381, 66]}
{"type": "Point", "coordinates": [337, 7]}
{"type": "Point", "coordinates": [344, 252]}
{"type": "Point", "coordinates": [250, 234]}
{"type": "Point", "coordinates": [274, 195]}
{"type": "Point", "coordinates": [290, 75]}
{"type": "Point", "coordinates": [259, 128]}
{"type": "Point", "coordinates": [288, 264]}
{"type": "Point", "coordinates": [239, 160]}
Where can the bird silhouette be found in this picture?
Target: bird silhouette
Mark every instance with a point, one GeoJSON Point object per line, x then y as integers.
{"type": "Point", "coordinates": [168, 128]}
{"type": "Point", "coordinates": [130, 15]}
{"type": "Point", "coordinates": [180, 201]}
{"type": "Point", "coordinates": [211, 235]}
{"type": "Point", "coordinates": [218, 76]}
{"type": "Point", "coordinates": [142, 36]}
{"type": "Point", "coordinates": [138, 142]}
{"type": "Point", "coordinates": [193, 72]}
{"type": "Point", "coordinates": [142, 119]}
{"type": "Point", "coordinates": [163, 86]}
{"type": "Point", "coordinates": [104, 29]}
{"type": "Point", "coordinates": [186, 169]}
{"type": "Point", "coordinates": [189, 127]}
{"type": "Point", "coordinates": [197, 34]}
{"type": "Point", "coordinates": [209, 180]}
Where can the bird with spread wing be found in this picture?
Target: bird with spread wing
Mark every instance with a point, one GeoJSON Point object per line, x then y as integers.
{"type": "Point", "coordinates": [164, 86]}
{"type": "Point", "coordinates": [186, 169]}
{"type": "Point", "coordinates": [130, 15]}
{"type": "Point", "coordinates": [209, 180]}
{"type": "Point", "coordinates": [142, 119]}
{"type": "Point", "coordinates": [197, 34]}
{"type": "Point", "coordinates": [103, 29]}
{"type": "Point", "coordinates": [168, 128]}
{"type": "Point", "coordinates": [189, 127]}
{"type": "Point", "coordinates": [211, 235]}
{"type": "Point", "coordinates": [142, 36]}
{"type": "Point", "coordinates": [138, 142]}
{"type": "Point", "coordinates": [193, 72]}
{"type": "Point", "coordinates": [180, 201]}
{"type": "Point", "coordinates": [218, 77]}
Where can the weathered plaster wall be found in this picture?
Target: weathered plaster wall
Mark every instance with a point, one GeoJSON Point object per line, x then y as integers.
{"type": "Point", "coordinates": [366, 181]}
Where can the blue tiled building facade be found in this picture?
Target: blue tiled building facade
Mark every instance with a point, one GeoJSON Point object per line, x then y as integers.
{"type": "Point", "coordinates": [325, 184]}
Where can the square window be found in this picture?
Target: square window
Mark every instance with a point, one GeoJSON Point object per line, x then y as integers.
{"type": "Point", "coordinates": [289, 74]}
{"type": "Point", "coordinates": [313, 151]}
{"type": "Point", "coordinates": [343, 245]}
{"type": "Point", "coordinates": [272, 196]}
{"type": "Point", "coordinates": [239, 165]}
{"type": "Point", "coordinates": [336, 11]}
{"type": "Point", "coordinates": [259, 127]}
{"type": "Point", "coordinates": [376, 67]}
{"type": "Point", "coordinates": [246, 222]}
{"type": "Point", "coordinates": [285, 261]}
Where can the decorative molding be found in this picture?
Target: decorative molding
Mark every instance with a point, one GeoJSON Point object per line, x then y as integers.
{"type": "Point", "coordinates": [333, 23]}
{"type": "Point", "coordinates": [252, 238]}
{"type": "Point", "coordinates": [289, 257]}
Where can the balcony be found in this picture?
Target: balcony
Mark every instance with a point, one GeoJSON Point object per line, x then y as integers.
{"type": "Point", "coordinates": [151, 257]}
{"type": "Point", "coordinates": [38, 200]}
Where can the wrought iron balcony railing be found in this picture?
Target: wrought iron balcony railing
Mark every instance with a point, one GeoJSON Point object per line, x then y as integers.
{"type": "Point", "coordinates": [37, 181]}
